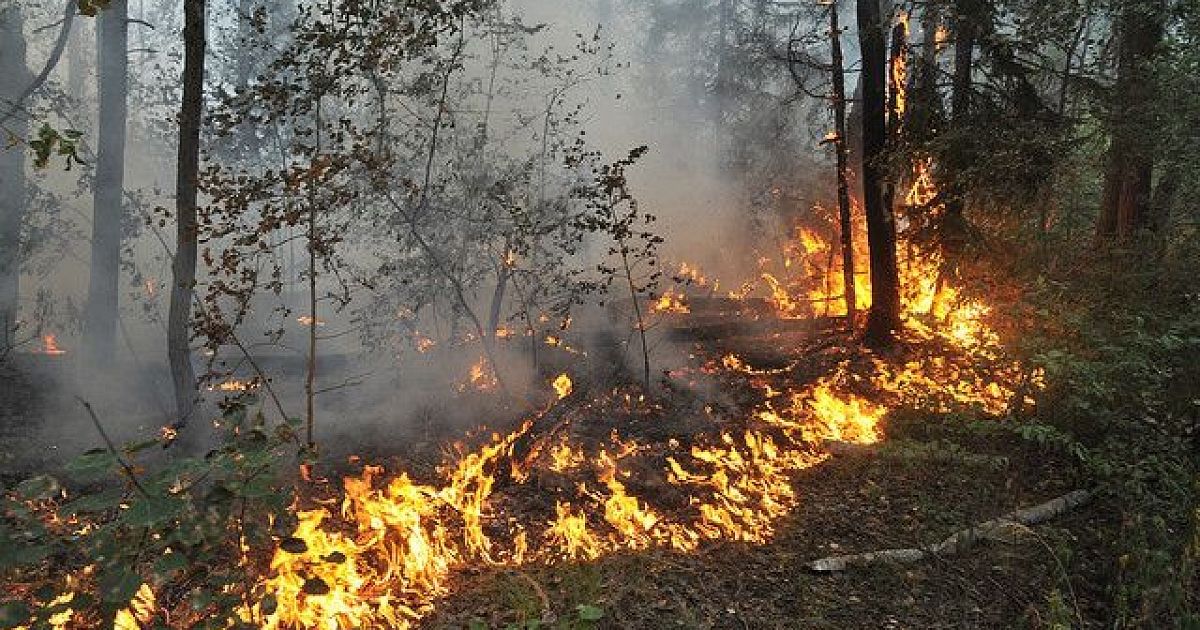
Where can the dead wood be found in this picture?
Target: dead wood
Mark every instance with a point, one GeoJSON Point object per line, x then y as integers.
{"type": "Point", "coordinates": [1010, 528]}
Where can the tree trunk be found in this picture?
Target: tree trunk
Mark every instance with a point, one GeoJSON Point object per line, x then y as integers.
{"type": "Point", "coordinates": [925, 108]}
{"type": "Point", "coordinates": [14, 75]}
{"type": "Point", "coordinates": [884, 317]}
{"type": "Point", "coordinates": [1125, 208]}
{"type": "Point", "coordinates": [845, 218]}
{"type": "Point", "coordinates": [188, 172]}
{"type": "Point", "coordinates": [77, 65]}
{"type": "Point", "coordinates": [897, 97]}
{"type": "Point", "coordinates": [953, 227]}
{"type": "Point", "coordinates": [100, 316]}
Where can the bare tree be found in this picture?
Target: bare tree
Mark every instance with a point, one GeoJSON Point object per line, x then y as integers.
{"type": "Point", "coordinates": [100, 316]}
{"type": "Point", "coordinates": [184, 268]}
{"type": "Point", "coordinates": [14, 75]}
{"type": "Point", "coordinates": [884, 317]}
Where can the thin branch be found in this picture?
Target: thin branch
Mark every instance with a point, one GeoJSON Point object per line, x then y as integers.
{"type": "Point", "coordinates": [55, 54]}
{"type": "Point", "coordinates": [112, 448]}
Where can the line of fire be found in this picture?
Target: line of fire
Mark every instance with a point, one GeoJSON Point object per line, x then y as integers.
{"type": "Point", "coordinates": [591, 314]}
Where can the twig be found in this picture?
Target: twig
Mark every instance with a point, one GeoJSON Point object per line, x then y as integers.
{"type": "Point", "coordinates": [112, 448]}
{"type": "Point", "coordinates": [999, 528]}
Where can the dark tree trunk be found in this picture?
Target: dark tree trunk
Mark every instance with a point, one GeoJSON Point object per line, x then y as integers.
{"type": "Point", "coordinates": [884, 318]}
{"type": "Point", "coordinates": [1125, 208]}
{"type": "Point", "coordinates": [183, 376]}
{"type": "Point", "coordinates": [14, 75]}
{"type": "Point", "coordinates": [897, 97]}
{"type": "Point", "coordinates": [845, 218]}
{"type": "Point", "coordinates": [953, 227]}
{"type": "Point", "coordinates": [100, 316]}
{"type": "Point", "coordinates": [925, 107]}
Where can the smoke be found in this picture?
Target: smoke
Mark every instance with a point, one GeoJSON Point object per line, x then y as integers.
{"type": "Point", "coordinates": [376, 390]}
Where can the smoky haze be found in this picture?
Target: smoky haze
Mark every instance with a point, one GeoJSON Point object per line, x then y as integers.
{"type": "Point", "coordinates": [717, 198]}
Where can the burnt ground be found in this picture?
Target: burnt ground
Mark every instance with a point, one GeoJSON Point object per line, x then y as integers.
{"type": "Point", "coordinates": [931, 477]}
{"type": "Point", "coordinates": [848, 505]}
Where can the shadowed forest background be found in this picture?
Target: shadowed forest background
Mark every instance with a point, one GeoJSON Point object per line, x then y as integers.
{"type": "Point", "coordinates": [599, 313]}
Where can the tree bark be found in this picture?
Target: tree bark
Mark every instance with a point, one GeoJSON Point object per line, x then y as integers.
{"type": "Point", "coordinates": [884, 317]}
{"type": "Point", "coordinates": [100, 315]}
{"type": "Point", "coordinates": [14, 74]}
{"type": "Point", "coordinates": [897, 97]}
{"type": "Point", "coordinates": [845, 217]}
{"type": "Point", "coordinates": [179, 354]}
{"type": "Point", "coordinates": [1125, 207]}
{"type": "Point", "coordinates": [953, 225]}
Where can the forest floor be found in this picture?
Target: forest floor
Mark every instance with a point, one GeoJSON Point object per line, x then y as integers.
{"type": "Point", "coordinates": [928, 479]}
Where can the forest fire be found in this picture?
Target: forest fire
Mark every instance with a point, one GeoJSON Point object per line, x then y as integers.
{"type": "Point", "coordinates": [671, 302]}
{"type": "Point", "coordinates": [49, 346]}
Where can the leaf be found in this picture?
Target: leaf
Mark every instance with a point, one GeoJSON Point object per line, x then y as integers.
{"type": "Point", "coordinates": [97, 502]}
{"type": "Point", "coordinates": [149, 511]}
{"type": "Point", "coordinates": [16, 555]}
{"type": "Point", "coordinates": [315, 586]}
{"type": "Point", "coordinates": [119, 586]}
{"type": "Point", "coordinates": [169, 563]}
{"type": "Point", "coordinates": [91, 464]}
{"type": "Point", "coordinates": [589, 613]}
{"type": "Point", "coordinates": [40, 487]}
{"type": "Point", "coordinates": [294, 545]}
{"type": "Point", "coordinates": [13, 614]}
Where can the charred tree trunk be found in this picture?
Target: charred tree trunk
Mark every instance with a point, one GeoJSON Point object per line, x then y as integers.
{"type": "Point", "coordinates": [187, 173]}
{"type": "Point", "coordinates": [925, 107]}
{"type": "Point", "coordinates": [14, 75]}
{"type": "Point", "coordinates": [1125, 208]}
{"type": "Point", "coordinates": [100, 316]}
{"type": "Point", "coordinates": [884, 317]}
{"type": "Point", "coordinates": [845, 218]}
{"type": "Point", "coordinates": [897, 98]}
{"type": "Point", "coordinates": [953, 224]}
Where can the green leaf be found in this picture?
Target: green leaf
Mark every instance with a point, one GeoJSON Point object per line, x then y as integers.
{"type": "Point", "coordinates": [91, 464]}
{"type": "Point", "coordinates": [119, 585]}
{"type": "Point", "coordinates": [149, 511]}
{"type": "Point", "coordinates": [13, 613]}
{"type": "Point", "coordinates": [97, 502]}
{"type": "Point", "coordinates": [589, 613]}
{"type": "Point", "coordinates": [170, 563]}
{"type": "Point", "coordinates": [40, 487]}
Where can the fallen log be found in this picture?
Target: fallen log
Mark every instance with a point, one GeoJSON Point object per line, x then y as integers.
{"type": "Point", "coordinates": [1010, 528]}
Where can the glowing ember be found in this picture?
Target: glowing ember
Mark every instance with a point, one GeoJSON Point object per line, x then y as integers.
{"type": "Point", "coordinates": [480, 377]}
{"type": "Point", "coordinates": [308, 320]}
{"type": "Point", "coordinates": [562, 386]}
{"type": "Point", "coordinates": [50, 346]}
{"type": "Point", "coordinates": [671, 302]}
{"type": "Point", "coordinates": [234, 386]}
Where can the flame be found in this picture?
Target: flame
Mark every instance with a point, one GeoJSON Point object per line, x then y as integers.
{"type": "Point", "coordinates": [50, 346]}
{"type": "Point", "coordinates": [235, 386]}
{"type": "Point", "coordinates": [671, 302]}
{"type": "Point", "coordinates": [480, 377]}
{"type": "Point", "coordinates": [562, 386]}
{"type": "Point", "coordinates": [140, 612]}
{"type": "Point", "coordinates": [844, 418]}
{"type": "Point", "coordinates": [308, 320]}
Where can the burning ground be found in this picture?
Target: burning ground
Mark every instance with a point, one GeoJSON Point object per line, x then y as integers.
{"type": "Point", "coordinates": [779, 440]}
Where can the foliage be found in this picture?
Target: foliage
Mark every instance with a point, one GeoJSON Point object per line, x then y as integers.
{"type": "Point", "coordinates": [1123, 398]}
{"type": "Point", "coordinates": [184, 526]}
